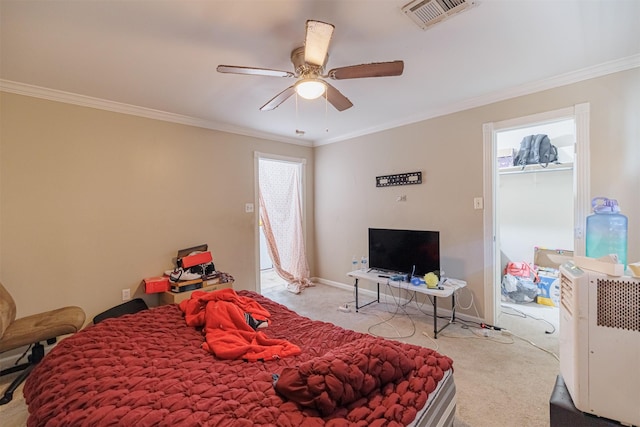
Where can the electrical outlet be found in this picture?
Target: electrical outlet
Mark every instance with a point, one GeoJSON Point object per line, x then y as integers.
{"type": "Point", "coordinates": [248, 207]}
{"type": "Point", "coordinates": [477, 203]}
{"type": "Point", "coordinates": [126, 294]}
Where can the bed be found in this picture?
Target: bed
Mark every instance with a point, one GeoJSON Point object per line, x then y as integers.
{"type": "Point", "coordinates": [152, 369]}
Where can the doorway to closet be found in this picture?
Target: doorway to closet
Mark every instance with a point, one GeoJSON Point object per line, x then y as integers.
{"type": "Point", "coordinates": [543, 207]}
{"type": "Point", "coordinates": [534, 216]}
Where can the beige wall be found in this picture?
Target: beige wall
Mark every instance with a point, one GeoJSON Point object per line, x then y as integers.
{"type": "Point", "coordinates": [449, 152]}
{"type": "Point", "coordinates": [92, 201]}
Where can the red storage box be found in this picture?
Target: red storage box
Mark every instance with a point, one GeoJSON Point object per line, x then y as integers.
{"type": "Point", "coordinates": [196, 259]}
{"type": "Point", "coordinates": [154, 285]}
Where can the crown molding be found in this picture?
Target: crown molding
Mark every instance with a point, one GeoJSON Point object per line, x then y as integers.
{"type": "Point", "coordinates": [600, 70]}
{"type": "Point", "coordinates": [525, 89]}
{"type": "Point", "coordinates": [149, 113]}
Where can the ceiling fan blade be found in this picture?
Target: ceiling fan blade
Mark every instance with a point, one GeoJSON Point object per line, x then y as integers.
{"type": "Point", "coordinates": [278, 99]}
{"type": "Point", "coordinates": [316, 42]}
{"type": "Point", "coordinates": [376, 69]}
{"type": "Point", "coordinates": [253, 71]}
{"type": "Point", "coordinates": [337, 99]}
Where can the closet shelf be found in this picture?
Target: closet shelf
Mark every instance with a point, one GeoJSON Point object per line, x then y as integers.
{"type": "Point", "coordinates": [553, 167]}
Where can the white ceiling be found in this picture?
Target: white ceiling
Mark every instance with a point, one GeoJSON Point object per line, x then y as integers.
{"type": "Point", "coordinates": [159, 58]}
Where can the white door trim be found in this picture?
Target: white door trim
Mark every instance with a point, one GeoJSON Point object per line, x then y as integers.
{"type": "Point", "coordinates": [581, 114]}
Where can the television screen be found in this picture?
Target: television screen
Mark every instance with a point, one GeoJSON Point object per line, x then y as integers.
{"type": "Point", "coordinates": [404, 251]}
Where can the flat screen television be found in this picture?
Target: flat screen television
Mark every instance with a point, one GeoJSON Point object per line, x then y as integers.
{"type": "Point", "coordinates": [404, 251]}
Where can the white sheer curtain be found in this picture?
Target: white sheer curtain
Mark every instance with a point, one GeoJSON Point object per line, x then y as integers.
{"type": "Point", "coordinates": [281, 216]}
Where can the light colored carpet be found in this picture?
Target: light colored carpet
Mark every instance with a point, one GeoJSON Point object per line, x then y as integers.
{"type": "Point", "coordinates": [14, 413]}
{"type": "Point", "coordinates": [500, 380]}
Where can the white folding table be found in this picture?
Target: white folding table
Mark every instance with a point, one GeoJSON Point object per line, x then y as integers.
{"type": "Point", "coordinates": [447, 289]}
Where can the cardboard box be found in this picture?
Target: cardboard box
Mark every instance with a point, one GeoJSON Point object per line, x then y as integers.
{"type": "Point", "coordinates": [210, 282]}
{"type": "Point", "coordinates": [176, 298]}
{"type": "Point", "coordinates": [154, 285]}
{"type": "Point", "coordinates": [196, 259]}
{"type": "Point", "coordinates": [551, 258]}
{"type": "Point", "coordinates": [548, 287]}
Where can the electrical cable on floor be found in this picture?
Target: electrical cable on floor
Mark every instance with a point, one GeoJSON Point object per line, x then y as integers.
{"type": "Point", "coordinates": [395, 307]}
{"type": "Point", "coordinates": [457, 306]}
{"type": "Point", "coordinates": [432, 340]}
{"type": "Point", "coordinates": [414, 297]}
{"type": "Point", "coordinates": [472, 326]}
{"type": "Point", "coordinates": [449, 318]}
{"type": "Point", "coordinates": [386, 322]}
{"type": "Point", "coordinates": [504, 332]}
{"type": "Point", "coordinates": [476, 335]}
{"type": "Point", "coordinates": [481, 335]}
{"type": "Point", "coordinates": [419, 306]}
{"type": "Point", "coordinates": [524, 315]}
{"type": "Point", "coordinates": [471, 304]}
{"type": "Point", "coordinates": [508, 332]}
{"type": "Point", "coordinates": [468, 323]}
{"type": "Point", "coordinates": [475, 329]}
{"type": "Point", "coordinates": [398, 307]}
{"type": "Point", "coordinates": [534, 344]}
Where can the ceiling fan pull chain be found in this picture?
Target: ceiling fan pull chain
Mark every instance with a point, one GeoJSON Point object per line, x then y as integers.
{"type": "Point", "coordinates": [326, 112]}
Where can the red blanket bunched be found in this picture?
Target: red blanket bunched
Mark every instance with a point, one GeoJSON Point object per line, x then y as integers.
{"type": "Point", "coordinates": [227, 333]}
{"type": "Point", "coordinates": [351, 372]}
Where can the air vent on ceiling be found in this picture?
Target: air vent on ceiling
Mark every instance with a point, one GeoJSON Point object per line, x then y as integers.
{"type": "Point", "coordinates": [426, 13]}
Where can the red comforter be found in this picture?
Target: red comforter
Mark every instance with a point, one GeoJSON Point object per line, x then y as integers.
{"type": "Point", "coordinates": [149, 369]}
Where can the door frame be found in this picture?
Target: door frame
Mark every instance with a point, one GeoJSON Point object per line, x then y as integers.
{"type": "Point", "coordinates": [301, 162]}
{"type": "Point", "coordinates": [581, 202]}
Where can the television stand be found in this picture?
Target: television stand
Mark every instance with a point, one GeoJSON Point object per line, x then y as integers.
{"type": "Point", "coordinates": [449, 288]}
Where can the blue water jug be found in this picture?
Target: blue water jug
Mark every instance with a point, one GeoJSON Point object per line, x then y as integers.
{"type": "Point", "coordinates": [607, 230]}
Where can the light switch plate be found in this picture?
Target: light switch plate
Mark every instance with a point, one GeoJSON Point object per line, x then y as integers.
{"type": "Point", "coordinates": [477, 203]}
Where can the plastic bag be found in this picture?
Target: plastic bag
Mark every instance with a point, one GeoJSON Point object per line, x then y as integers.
{"type": "Point", "coordinates": [518, 289]}
{"type": "Point", "coordinates": [521, 269]}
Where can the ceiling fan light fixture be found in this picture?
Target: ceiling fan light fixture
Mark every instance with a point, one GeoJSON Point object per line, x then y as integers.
{"type": "Point", "coordinates": [310, 88]}
{"type": "Point", "coordinates": [308, 64]}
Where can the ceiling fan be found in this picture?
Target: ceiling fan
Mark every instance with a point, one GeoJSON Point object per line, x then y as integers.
{"type": "Point", "coordinates": [308, 64]}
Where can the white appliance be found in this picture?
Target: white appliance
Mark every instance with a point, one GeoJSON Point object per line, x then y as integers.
{"type": "Point", "coordinates": [600, 342]}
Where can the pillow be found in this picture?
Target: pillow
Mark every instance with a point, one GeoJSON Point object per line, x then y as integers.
{"type": "Point", "coordinates": [345, 374]}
